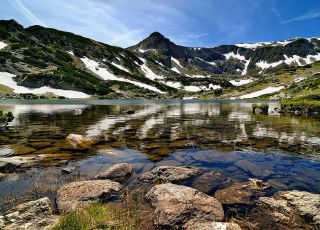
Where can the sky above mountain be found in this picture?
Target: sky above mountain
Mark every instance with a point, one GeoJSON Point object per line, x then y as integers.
{"type": "Point", "coordinates": [194, 23]}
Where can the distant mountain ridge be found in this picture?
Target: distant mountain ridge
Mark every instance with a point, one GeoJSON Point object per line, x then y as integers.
{"type": "Point", "coordinates": [38, 59]}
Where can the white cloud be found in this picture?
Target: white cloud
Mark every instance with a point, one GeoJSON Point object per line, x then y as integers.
{"type": "Point", "coordinates": [306, 16]}
{"type": "Point", "coordinates": [18, 5]}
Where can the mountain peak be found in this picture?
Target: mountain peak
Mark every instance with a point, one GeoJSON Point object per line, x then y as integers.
{"type": "Point", "coordinates": [156, 35]}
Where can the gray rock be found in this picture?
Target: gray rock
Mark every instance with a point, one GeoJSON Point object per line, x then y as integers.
{"type": "Point", "coordinates": [290, 210]}
{"type": "Point", "coordinates": [242, 193]}
{"type": "Point", "coordinates": [31, 215]}
{"type": "Point", "coordinates": [74, 194]}
{"type": "Point", "coordinates": [173, 174]}
{"type": "Point", "coordinates": [213, 226]}
{"type": "Point", "coordinates": [68, 170]}
{"type": "Point", "coordinates": [118, 172]}
{"type": "Point", "coordinates": [177, 205]}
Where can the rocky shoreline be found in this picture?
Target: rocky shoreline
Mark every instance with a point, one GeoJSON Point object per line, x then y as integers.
{"type": "Point", "coordinates": [177, 204]}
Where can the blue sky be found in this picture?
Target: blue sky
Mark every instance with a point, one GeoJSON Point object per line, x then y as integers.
{"type": "Point", "coordinates": [195, 23]}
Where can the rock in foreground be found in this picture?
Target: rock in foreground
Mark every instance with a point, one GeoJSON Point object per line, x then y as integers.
{"type": "Point", "coordinates": [31, 215]}
{"type": "Point", "coordinates": [71, 195]}
{"type": "Point", "coordinates": [172, 174]}
{"type": "Point", "coordinates": [177, 205]}
{"type": "Point", "coordinates": [213, 226]}
{"type": "Point", "coordinates": [242, 193]}
{"type": "Point", "coordinates": [290, 210]}
{"type": "Point", "coordinates": [118, 172]}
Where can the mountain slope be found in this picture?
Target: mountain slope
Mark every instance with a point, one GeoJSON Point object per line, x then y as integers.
{"type": "Point", "coordinates": [36, 60]}
{"type": "Point", "coordinates": [251, 59]}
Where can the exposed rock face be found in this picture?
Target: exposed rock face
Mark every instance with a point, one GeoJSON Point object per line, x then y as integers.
{"type": "Point", "coordinates": [31, 215]}
{"type": "Point", "coordinates": [71, 195]}
{"type": "Point", "coordinates": [177, 205]}
{"type": "Point", "coordinates": [213, 226]}
{"type": "Point", "coordinates": [77, 140]}
{"type": "Point", "coordinates": [173, 174]}
{"type": "Point", "coordinates": [242, 193]}
{"type": "Point", "coordinates": [118, 172]}
{"type": "Point", "coordinates": [291, 210]}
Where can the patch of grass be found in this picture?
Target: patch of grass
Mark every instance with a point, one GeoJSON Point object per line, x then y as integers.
{"type": "Point", "coordinates": [310, 103]}
{"type": "Point", "coordinates": [131, 214]}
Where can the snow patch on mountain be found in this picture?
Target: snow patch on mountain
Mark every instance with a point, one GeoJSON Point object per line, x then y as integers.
{"type": "Point", "coordinates": [233, 55]}
{"type": "Point", "coordinates": [70, 52]}
{"type": "Point", "coordinates": [148, 72]}
{"type": "Point", "coordinates": [143, 51]}
{"type": "Point", "coordinates": [2, 45]}
{"type": "Point", "coordinates": [241, 82]}
{"type": "Point", "coordinates": [176, 61]}
{"type": "Point", "coordinates": [266, 65]}
{"type": "Point", "coordinates": [260, 44]}
{"type": "Point", "coordinates": [245, 70]}
{"type": "Point", "coordinates": [259, 93]}
{"type": "Point", "coordinates": [175, 70]}
{"type": "Point", "coordinates": [296, 60]}
{"type": "Point", "coordinates": [106, 75]}
{"type": "Point", "coordinates": [7, 80]}
{"type": "Point", "coordinates": [120, 67]}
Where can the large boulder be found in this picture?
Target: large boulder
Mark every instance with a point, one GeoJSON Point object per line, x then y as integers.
{"type": "Point", "coordinates": [242, 193]}
{"type": "Point", "coordinates": [75, 194]}
{"type": "Point", "coordinates": [172, 174]}
{"type": "Point", "coordinates": [290, 210]}
{"type": "Point", "coordinates": [178, 205]}
{"type": "Point", "coordinates": [118, 172]}
{"type": "Point", "coordinates": [31, 215]}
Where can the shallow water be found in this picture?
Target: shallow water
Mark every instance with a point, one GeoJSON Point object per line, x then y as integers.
{"type": "Point", "coordinates": [212, 134]}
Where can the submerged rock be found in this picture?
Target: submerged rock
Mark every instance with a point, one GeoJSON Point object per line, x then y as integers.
{"type": "Point", "coordinates": [178, 205]}
{"type": "Point", "coordinates": [68, 170]}
{"type": "Point", "coordinates": [31, 215]}
{"type": "Point", "coordinates": [252, 168]}
{"type": "Point", "coordinates": [173, 174]}
{"type": "Point", "coordinates": [74, 194]}
{"type": "Point", "coordinates": [77, 140]}
{"type": "Point", "coordinates": [289, 210]}
{"type": "Point", "coordinates": [2, 176]}
{"type": "Point", "coordinates": [209, 181]}
{"type": "Point", "coordinates": [117, 172]}
{"type": "Point", "coordinates": [8, 167]}
{"type": "Point", "coordinates": [242, 193]}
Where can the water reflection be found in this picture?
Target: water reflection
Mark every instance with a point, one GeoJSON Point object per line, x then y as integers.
{"type": "Point", "coordinates": [207, 134]}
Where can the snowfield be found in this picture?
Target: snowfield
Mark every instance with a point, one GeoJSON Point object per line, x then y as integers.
{"type": "Point", "coordinates": [7, 80]}
{"type": "Point", "coordinates": [148, 72]}
{"type": "Point", "coordinates": [241, 82]}
{"type": "Point", "coordinates": [107, 76]}
{"type": "Point", "coordinates": [2, 45]}
{"type": "Point", "coordinates": [120, 67]}
{"type": "Point", "coordinates": [259, 93]}
{"type": "Point", "coordinates": [296, 60]}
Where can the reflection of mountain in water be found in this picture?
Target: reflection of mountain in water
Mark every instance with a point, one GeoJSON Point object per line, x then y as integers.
{"type": "Point", "coordinates": [158, 129]}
